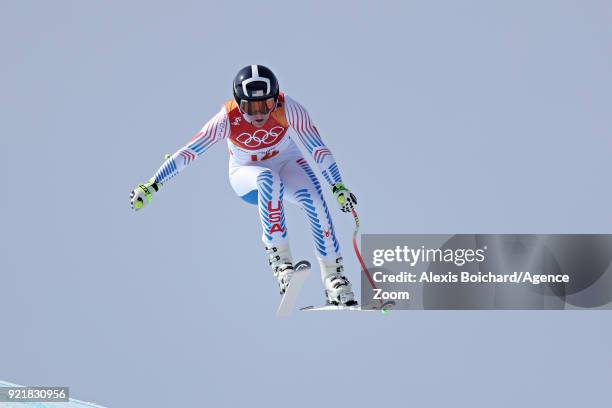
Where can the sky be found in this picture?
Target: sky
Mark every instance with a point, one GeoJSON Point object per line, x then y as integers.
{"type": "Point", "coordinates": [444, 117]}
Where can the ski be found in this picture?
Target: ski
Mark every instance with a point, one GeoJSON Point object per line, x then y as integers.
{"type": "Point", "coordinates": [300, 274]}
{"type": "Point", "coordinates": [326, 308]}
{"type": "Point", "coordinates": [357, 308]}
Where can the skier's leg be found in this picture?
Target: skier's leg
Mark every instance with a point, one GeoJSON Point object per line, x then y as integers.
{"type": "Point", "coordinates": [263, 187]}
{"type": "Point", "coordinates": [304, 189]}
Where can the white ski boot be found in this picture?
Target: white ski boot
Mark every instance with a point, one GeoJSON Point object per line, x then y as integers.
{"type": "Point", "coordinates": [281, 262]}
{"type": "Point", "coordinates": [338, 289]}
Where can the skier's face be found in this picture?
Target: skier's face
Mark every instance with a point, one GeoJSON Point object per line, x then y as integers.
{"type": "Point", "coordinates": [259, 119]}
{"type": "Point", "coordinates": [257, 112]}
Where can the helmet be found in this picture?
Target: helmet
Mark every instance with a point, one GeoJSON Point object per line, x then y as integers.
{"type": "Point", "coordinates": [255, 89]}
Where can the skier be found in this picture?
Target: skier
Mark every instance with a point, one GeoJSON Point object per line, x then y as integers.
{"type": "Point", "coordinates": [266, 167]}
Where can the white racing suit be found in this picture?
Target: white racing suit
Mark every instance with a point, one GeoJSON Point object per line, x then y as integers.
{"type": "Point", "coordinates": [266, 168]}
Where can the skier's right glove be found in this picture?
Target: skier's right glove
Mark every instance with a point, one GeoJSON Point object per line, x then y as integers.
{"type": "Point", "coordinates": [143, 194]}
{"type": "Point", "coordinates": [345, 198]}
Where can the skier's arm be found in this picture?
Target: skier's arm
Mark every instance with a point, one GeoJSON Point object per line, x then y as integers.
{"type": "Point", "coordinates": [300, 121]}
{"type": "Point", "coordinates": [216, 129]}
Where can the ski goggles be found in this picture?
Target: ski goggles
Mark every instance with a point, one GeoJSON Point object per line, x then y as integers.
{"type": "Point", "coordinates": [258, 107]}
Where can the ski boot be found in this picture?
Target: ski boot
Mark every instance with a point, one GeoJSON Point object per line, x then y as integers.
{"type": "Point", "coordinates": [338, 289]}
{"type": "Point", "coordinates": [281, 262]}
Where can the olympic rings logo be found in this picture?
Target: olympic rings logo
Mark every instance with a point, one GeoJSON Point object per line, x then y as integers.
{"type": "Point", "coordinates": [260, 137]}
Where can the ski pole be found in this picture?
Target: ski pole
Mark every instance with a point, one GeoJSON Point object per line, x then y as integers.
{"type": "Point", "coordinates": [363, 265]}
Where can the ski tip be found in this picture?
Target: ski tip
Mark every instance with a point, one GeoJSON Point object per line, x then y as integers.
{"type": "Point", "coordinates": [390, 304]}
{"type": "Point", "coordinates": [386, 307]}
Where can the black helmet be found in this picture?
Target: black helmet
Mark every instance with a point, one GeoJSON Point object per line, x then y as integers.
{"type": "Point", "coordinates": [255, 83]}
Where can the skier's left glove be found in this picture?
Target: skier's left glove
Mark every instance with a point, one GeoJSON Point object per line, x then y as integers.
{"type": "Point", "coordinates": [143, 194]}
{"type": "Point", "coordinates": [344, 197]}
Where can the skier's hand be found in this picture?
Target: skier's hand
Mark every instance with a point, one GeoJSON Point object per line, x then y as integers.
{"type": "Point", "coordinates": [143, 194]}
{"type": "Point", "coordinates": [344, 197]}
